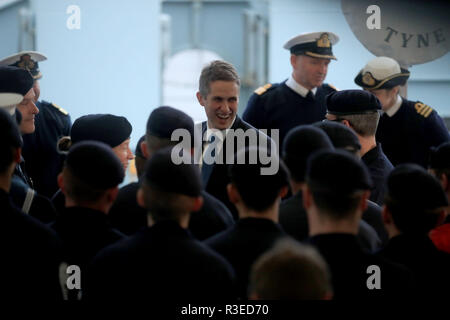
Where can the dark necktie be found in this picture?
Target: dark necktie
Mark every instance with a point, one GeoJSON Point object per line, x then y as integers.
{"type": "Point", "coordinates": [310, 95]}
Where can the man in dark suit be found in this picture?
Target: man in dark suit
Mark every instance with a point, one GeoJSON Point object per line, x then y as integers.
{"type": "Point", "coordinates": [359, 110]}
{"type": "Point", "coordinates": [127, 216]}
{"type": "Point", "coordinates": [301, 98]}
{"type": "Point", "coordinates": [415, 204]}
{"type": "Point", "coordinates": [298, 146]}
{"type": "Point", "coordinates": [162, 262]}
{"type": "Point", "coordinates": [335, 195]}
{"type": "Point", "coordinates": [30, 250]}
{"type": "Point", "coordinates": [257, 197]}
{"type": "Point", "coordinates": [224, 133]}
{"type": "Point", "coordinates": [89, 182]}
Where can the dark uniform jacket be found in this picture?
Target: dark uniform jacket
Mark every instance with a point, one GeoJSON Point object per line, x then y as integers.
{"type": "Point", "coordinates": [30, 257]}
{"type": "Point", "coordinates": [44, 163]}
{"type": "Point", "coordinates": [84, 232]}
{"type": "Point", "coordinates": [159, 263]}
{"type": "Point", "coordinates": [27, 199]}
{"type": "Point", "coordinates": [280, 107]}
{"type": "Point", "coordinates": [218, 179]}
{"type": "Point", "coordinates": [128, 217]}
{"type": "Point", "coordinates": [430, 266]}
{"type": "Point", "coordinates": [349, 263]}
{"type": "Point", "coordinates": [293, 219]}
{"type": "Point", "coordinates": [242, 244]}
{"type": "Point", "coordinates": [379, 168]}
{"type": "Point", "coordinates": [408, 135]}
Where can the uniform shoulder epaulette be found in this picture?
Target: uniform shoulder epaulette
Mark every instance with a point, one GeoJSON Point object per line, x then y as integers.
{"type": "Point", "coordinates": [64, 112]}
{"type": "Point", "coordinates": [423, 109]}
{"type": "Point", "coordinates": [263, 89]}
{"type": "Point", "coordinates": [332, 87]}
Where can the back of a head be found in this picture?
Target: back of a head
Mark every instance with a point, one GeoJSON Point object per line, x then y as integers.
{"type": "Point", "coordinates": [361, 108]}
{"type": "Point", "coordinates": [258, 191]}
{"type": "Point", "coordinates": [10, 139]}
{"type": "Point", "coordinates": [167, 186]}
{"type": "Point", "coordinates": [139, 160]}
{"type": "Point", "coordinates": [290, 271]}
{"type": "Point", "coordinates": [14, 85]}
{"type": "Point", "coordinates": [162, 123]}
{"type": "Point", "coordinates": [299, 144]}
{"type": "Point", "coordinates": [337, 180]}
{"type": "Point", "coordinates": [341, 136]}
{"type": "Point", "coordinates": [414, 198]}
{"type": "Point", "coordinates": [440, 160]}
{"type": "Point", "coordinates": [91, 168]}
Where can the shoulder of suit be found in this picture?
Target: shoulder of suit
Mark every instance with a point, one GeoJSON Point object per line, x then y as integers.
{"type": "Point", "coordinates": [265, 88]}
{"type": "Point", "coordinates": [422, 109]}
{"type": "Point", "coordinates": [55, 106]}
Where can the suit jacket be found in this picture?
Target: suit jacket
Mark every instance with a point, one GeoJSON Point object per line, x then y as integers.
{"type": "Point", "coordinates": [294, 221]}
{"type": "Point", "coordinates": [30, 257]}
{"type": "Point", "coordinates": [242, 244]}
{"type": "Point", "coordinates": [159, 263]}
{"type": "Point", "coordinates": [218, 180]}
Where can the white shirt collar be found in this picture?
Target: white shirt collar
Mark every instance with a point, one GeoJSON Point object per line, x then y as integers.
{"type": "Point", "coordinates": [393, 110]}
{"type": "Point", "coordinates": [297, 87]}
{"type": "Point", "coordinates": [210, 131]}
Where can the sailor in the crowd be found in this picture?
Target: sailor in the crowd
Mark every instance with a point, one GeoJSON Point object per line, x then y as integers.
{"type": "Point", "coordinates": [52, 122]}
{"type": "Point", "coordinates": [359, 110]}
{"type": "Point", "coordinates": [301, 98]}
{"type": "Point", "coordinates": [407, 129]}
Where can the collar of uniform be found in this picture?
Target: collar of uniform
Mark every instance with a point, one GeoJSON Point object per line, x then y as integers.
{"type": "Point", "coordinates": [393, 110]}
{"type": "Point", "coordinates": [297, 87]}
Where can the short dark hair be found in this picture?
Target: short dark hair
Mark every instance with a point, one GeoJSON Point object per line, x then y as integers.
{"type": "Point", "coordinates": [337, 181]}
{"type": "Point", "coordinates": [414, 198]}
{"type": "Point", "coordinates": [440, 160]}
{"type": "Point", "coordinates": [258, 191]}
{"type": "Point", "coordinates": [78, 190]}
{"type": "Point", "coordinates": [290, 270]}
{"type": "Point", "coordinates": [364, 124]}
{"type": "Point", "coordinates": [217, 70]}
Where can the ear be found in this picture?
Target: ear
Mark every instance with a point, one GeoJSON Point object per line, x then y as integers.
{"type": "Point", "coordinates": [140, 198]}
{"type": "Point", "coordinates": [445, 182]}
{"type": "Point", "coordinates": [386, 215]}
{"type": "Point", "coordinates": [17, 155]}
{"type": "Point", "coordinates": [233, 194]}
{"type": "Point", "coordinates": [60, 181]}
{"type": "Point", "coordinates": [307, 197]}
{"type": "Point", "coordinates": [346, 123]}
{"type": "Point", "coordinates": [293, 60]}
{"type": "Point", "coordinates": [145, 150]}
{"type": "Point", "coordinates": [197, 204]}
{"type": "Point", "coordinates": [442, 216]}
{"type": "Point", "coordinates": [363, 204]}
{"type": "Point", "coordinates": [111, 194]}
{"type": "Point", "coordinates": [283, 192]}
{"type": "Point", "coordinates": [200, 99]}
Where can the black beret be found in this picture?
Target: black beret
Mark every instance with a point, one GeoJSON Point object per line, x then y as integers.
{"type": "Point", "coordinates": [412, 187]}
{"type": "Point", "coordinates": [138, 151]}
{"type": "Point", "coordinates": [163, 174]}
{"type": "Point", "coordinates": [299, 143]}
{"type": "Point", "coordinates": [96, 164]}
{"type": "Point", "coordinates": [352, 102]}
{"type": "Point", "coordinates": [15, 81]}
{"type": "Point", "coordinates": [440, 156]}
{"type": "Point", "coordinates": [9, 132]}
{"type": "Point", "coordinates": [338, 172]}
{"type": "Point", "coordinates": [164, 120]}
{"type": "Point", "coordinates": [340, 135]}
{"type": "Point", "coordinates": [107, 128]}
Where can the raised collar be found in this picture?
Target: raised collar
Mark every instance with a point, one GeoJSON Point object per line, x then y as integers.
{"type": "Point", "coordinates": [393, 110]}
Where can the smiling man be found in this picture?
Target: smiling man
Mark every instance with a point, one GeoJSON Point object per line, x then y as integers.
{"type": "Point", "coordinates": [301, 98]}
{"type": "Point", "coordinates": [219, 94]}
